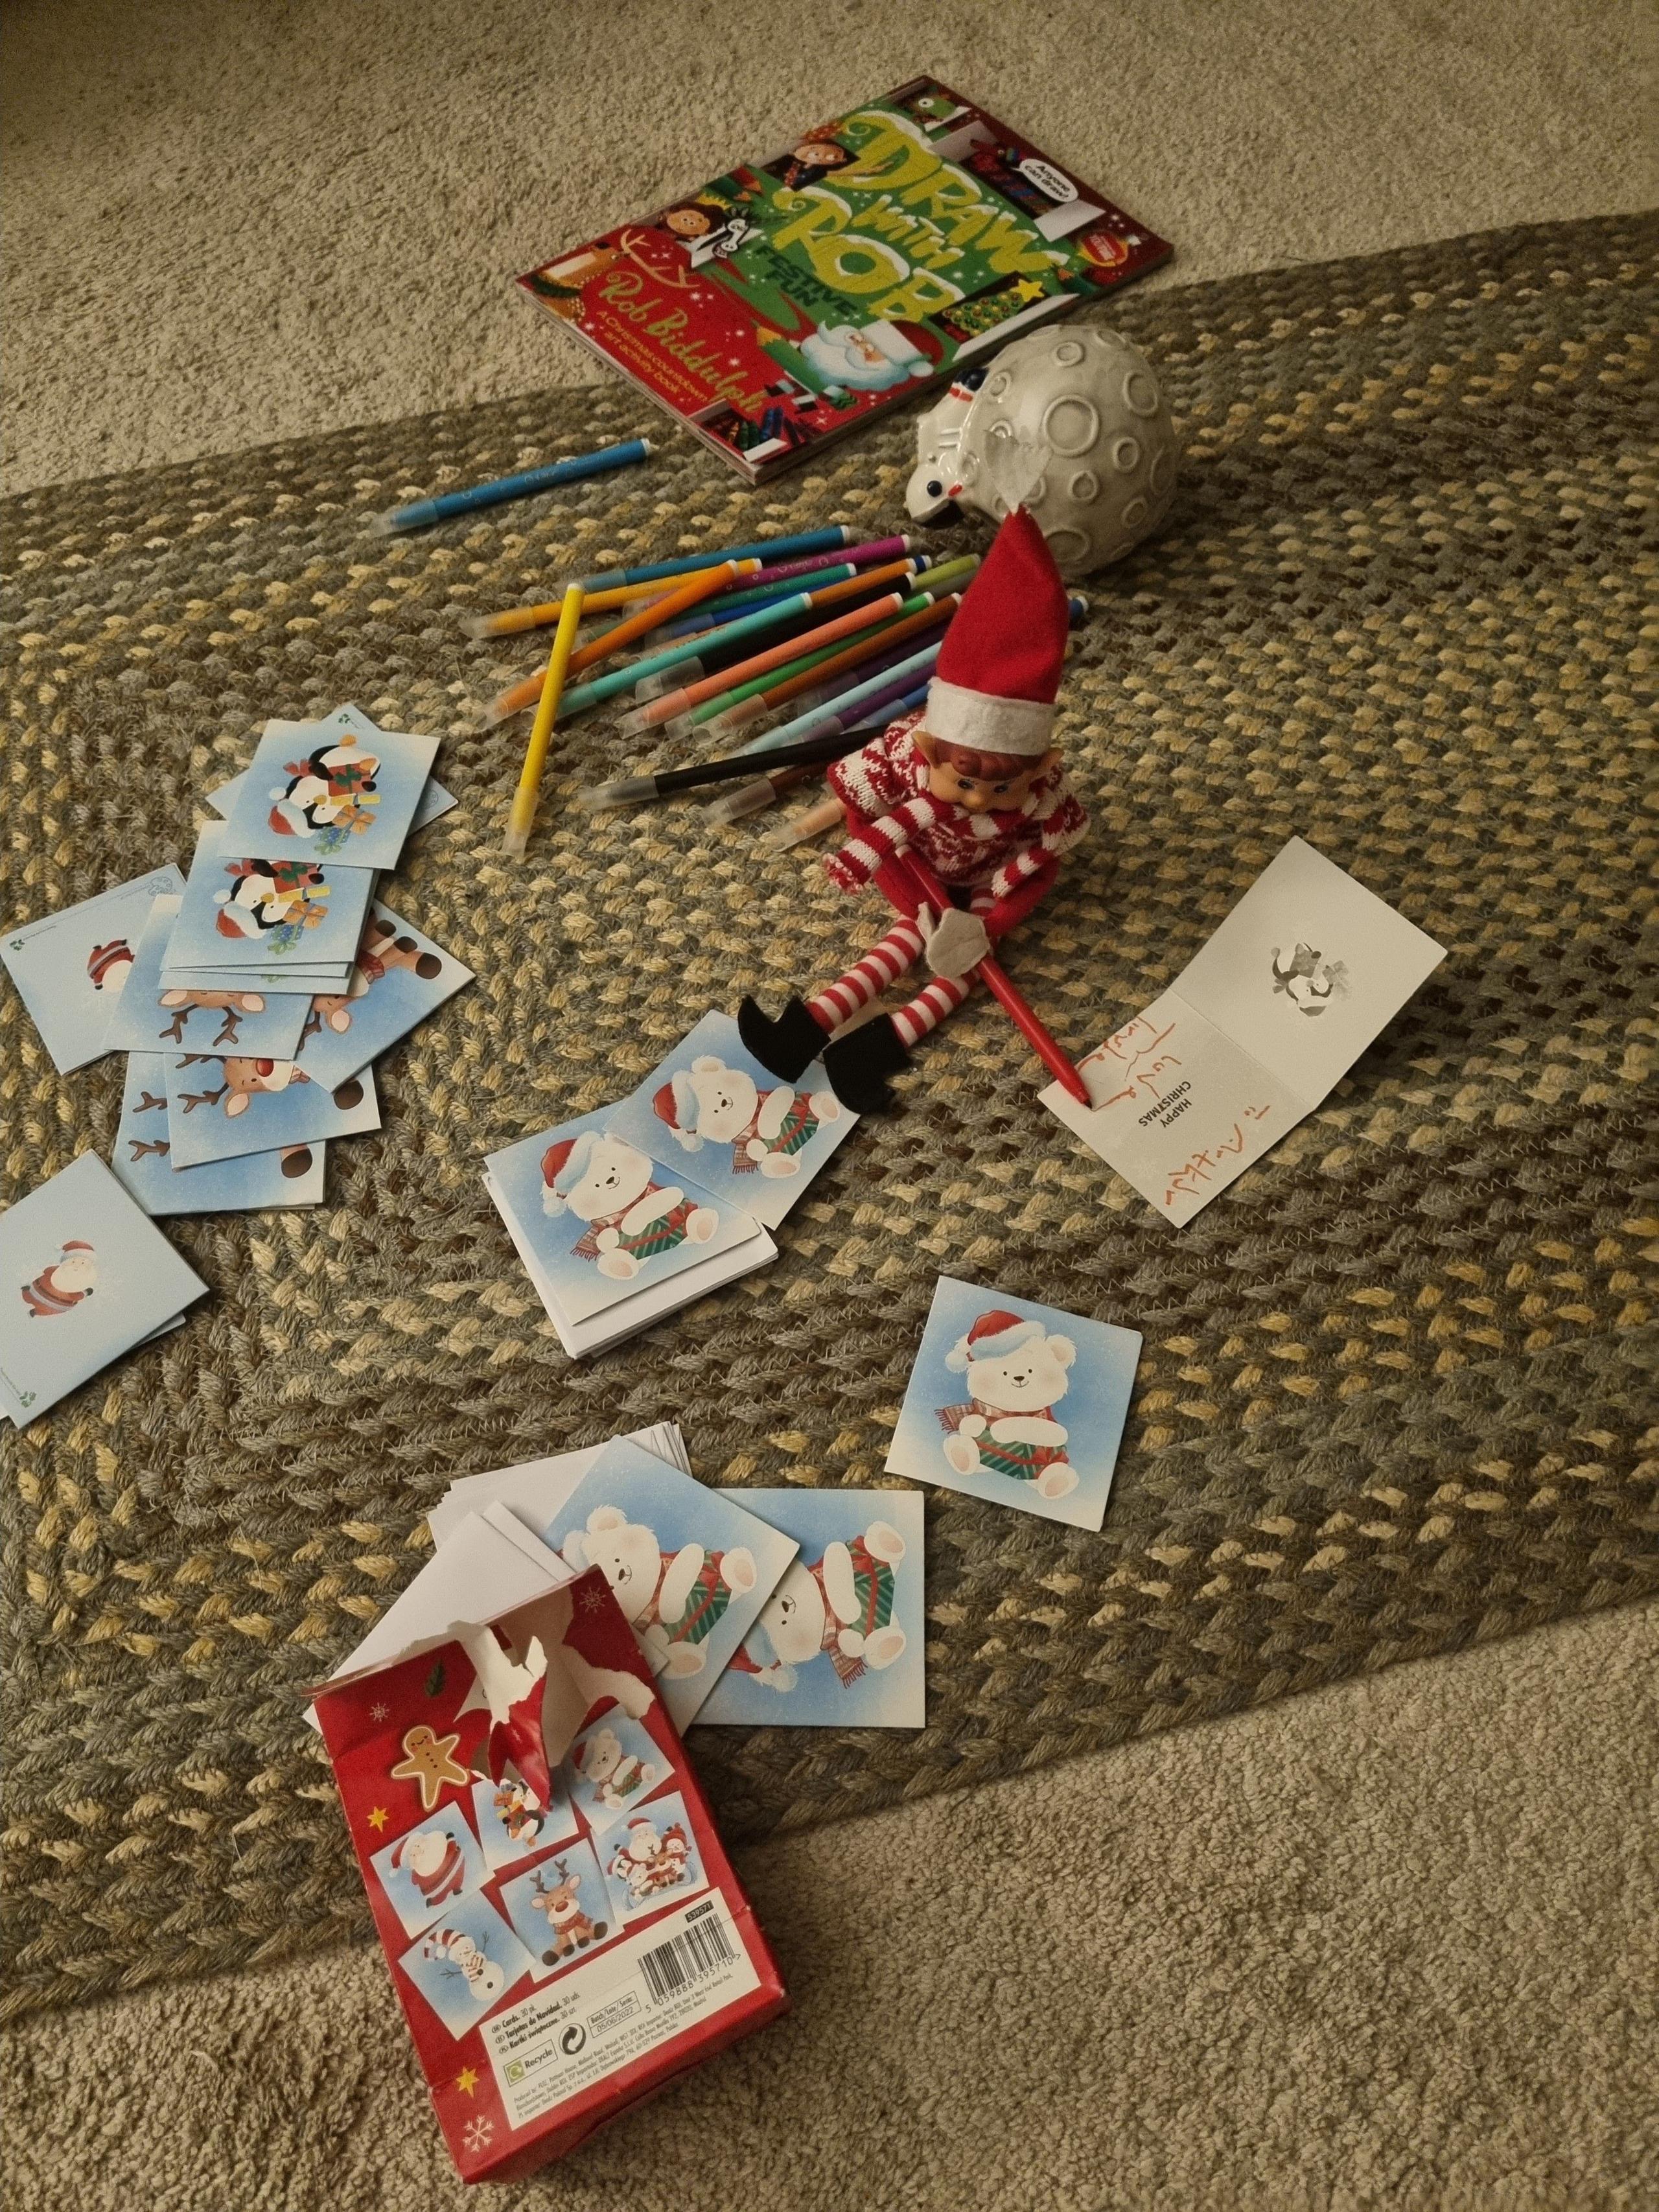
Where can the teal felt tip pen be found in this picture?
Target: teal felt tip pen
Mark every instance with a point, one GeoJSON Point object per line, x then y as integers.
{"type": "Point", "coordinates": [447, 504]}
{"type": "Point", "coordinates": [829, 540]}
{"type": "Point", "coordinates": [846, 708]}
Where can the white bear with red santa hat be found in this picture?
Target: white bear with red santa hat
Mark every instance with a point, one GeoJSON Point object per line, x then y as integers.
{"type": "Point", "coordinates": [631, 1217]}
{"type": "Point", "coordinates": [1017, 1375]}
{"type": "Point", "coordinates": [671, 1599]}
{"type": "Point", "coordinates": [767, 1130]}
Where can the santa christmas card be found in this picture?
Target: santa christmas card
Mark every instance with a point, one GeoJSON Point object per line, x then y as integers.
{"type": "Point", "coordinates": [254, 1182]}
{"type": "Point", "coordinates": [551, 1974]}
{"type": "Point", "coordinates": [85, 1275]}
{"type": "Point", "coordinates": [840, 1642]}
{"type": "Point", "coordinates": [222, 1109]}
{"type": "Point", "coordinates": [399, 977]}
{"type": "Point", "coordinates": [147, 1018]}
{"type": "Point", "coordinates": [690, 1566]}
{"type": "Point", "coordinates": [71, 967]}
{"type": "Point", "coordinates": [1017, 1403]}
{"type": "Point", "coordinates": [322, 790]}
{"type": "Point", "coordinates": [1269, 1014]}
{"type": "Point", "coordinates": [747, 1138]}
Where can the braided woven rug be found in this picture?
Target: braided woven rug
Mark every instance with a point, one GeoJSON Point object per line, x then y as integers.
{"type": "Point", "coordinates": [1392, 1395]}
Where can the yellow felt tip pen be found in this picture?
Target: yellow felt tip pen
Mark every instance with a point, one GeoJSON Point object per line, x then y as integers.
{"type": "Point", "coordinates": [541, 730]}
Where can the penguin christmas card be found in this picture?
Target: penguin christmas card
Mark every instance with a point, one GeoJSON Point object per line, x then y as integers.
{"type": "Point", "coordinates": [322, 790]}
{"type": "Point", "coordinates": [147, 1018]}
{"type": "Point", "coordinates": [85, 1275]}
{"type": "Point", "coordinates": [345, 722]}
{"type": "Point", "coordinates": [1017, 1403]}
{"type": "Point", "coordinates": [72, 967]}
{"type": "Point", "coordinates": [244, 909]}
{"type": "Point", "coordinates": [747, 1138]}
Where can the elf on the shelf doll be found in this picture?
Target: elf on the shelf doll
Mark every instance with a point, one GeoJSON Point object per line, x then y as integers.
{"type": "Point", "coordinates": [971, 783]}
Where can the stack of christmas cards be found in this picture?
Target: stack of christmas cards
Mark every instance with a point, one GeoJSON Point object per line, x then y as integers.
{"type": "Point", "coordinates": [1255, 1031]}
{"type": "Point", "coordinates": [629, 1213]}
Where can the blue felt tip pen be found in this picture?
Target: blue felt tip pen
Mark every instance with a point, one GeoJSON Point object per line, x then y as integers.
{"type": "Point", "coordinates": [425, 512]}
{"type": "Point", "coordinates": [830, 540]}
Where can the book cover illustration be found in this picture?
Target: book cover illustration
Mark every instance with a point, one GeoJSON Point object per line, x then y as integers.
{"type": "Point", "coordinates": [787, 301]}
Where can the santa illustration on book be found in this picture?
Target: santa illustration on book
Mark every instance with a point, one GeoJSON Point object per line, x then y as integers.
{"type": "Point", "coordinates": [972, 785]}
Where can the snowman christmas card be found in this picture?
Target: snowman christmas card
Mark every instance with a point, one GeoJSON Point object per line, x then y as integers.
{"type": "Point", "coordinates": [749, 1138]}
{"type": "Point", "coordinates": [85, 1275]}
{"type": "Point", "coordinates": [147, 1017]}
{"type": "Point", "coordinates": [1017, 1403]}
{"type": "Point", "coordinates": [840, 1642]}
{"type": "Point", "coordinates": [322, 790]}
{"type": "Point", "coordinates": [71, 967]}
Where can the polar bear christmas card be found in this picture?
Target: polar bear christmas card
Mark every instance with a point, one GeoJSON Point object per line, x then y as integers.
{"type": "Point", "coordinates": [839, 1644]}
{"type": "Point", "coordinates": [1017, 1403]}
{"type": "Point", "coordinates": [690, 1567]}
{"type": "Point", "coordinates": [749, 1138]}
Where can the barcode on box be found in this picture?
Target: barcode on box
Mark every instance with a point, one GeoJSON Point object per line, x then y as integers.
{"type": "Point", "coordinates": [673, 1966]}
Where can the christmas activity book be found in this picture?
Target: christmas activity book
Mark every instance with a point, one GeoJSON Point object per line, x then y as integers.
{"type": "Point", "coordinates": [791, 300]}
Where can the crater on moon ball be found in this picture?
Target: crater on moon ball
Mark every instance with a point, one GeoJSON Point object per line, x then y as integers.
{"type": "Point", "coordinates": [1068, 353]}
{"type": "Point", "coordinates": [1070, 425]}
{"type": "Point", "coordinates": [1125, 452]}
{"type": "Point", "coordinates": [1140, 393]}
{"type": "Point", "coordinates": [1085, 485]}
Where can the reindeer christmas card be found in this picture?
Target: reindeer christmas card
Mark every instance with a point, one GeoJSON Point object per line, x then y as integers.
{"type": "Point", "coordinates": [840, 1642]}
{"type": "Point", "coordinates": [602, 1220]}
{"type": "Point", "coordinates": [563, 1908]}
{"type": "Point", "coordinates": [72, 967]}
{"type": "Point", "coordinates": [1252, 1033]}
{"type": "Point", "coordinates": [85, 1275]}
{"type": "Point", "coordinates": [1017, 1403]}
{"type": "Point", "coordinates": [253, 1183]}
{"type": "Point", "coordinates": [223, 1108]}
{"type": "Point", "coordinates": [326, 791]}
{"type": "Point", "coordinates": [690, 1567]}
{"type": "Point", "coordinates": [399, 979]}
{"type": "Point", "coordinates": [244, 912]}
{"type": "Point", "coordinates": [147, 1018]}
{"type": "Point", "coordinates": [343, 722]}
{"type": "Point", "coordinates": [749, 1138]}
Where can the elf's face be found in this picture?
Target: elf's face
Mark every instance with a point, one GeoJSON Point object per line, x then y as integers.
{"type": "Point", "coordinates": [956, 777]}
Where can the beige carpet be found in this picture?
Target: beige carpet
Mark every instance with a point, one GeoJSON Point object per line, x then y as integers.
{"type": "Point", "coordinates": [1387, 1945]}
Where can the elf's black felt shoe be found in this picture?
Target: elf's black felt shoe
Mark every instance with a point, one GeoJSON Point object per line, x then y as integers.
{"type": "Point", "coordinates": [860, 1063]}
{"type": "Point", "coordinates": [787, 1046]}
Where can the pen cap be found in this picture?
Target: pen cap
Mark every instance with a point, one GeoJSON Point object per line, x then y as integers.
{"type": "Point", "coordinates": [748, 799]}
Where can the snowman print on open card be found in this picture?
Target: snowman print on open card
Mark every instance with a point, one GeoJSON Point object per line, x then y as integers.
{"type": "Point", "coordinates": [466, 1962]}
{"type": "Point", "coordinates": [1017, 1403]}
{"type": "Point", "coordinates": [744, 1135]}
{"type": "Point", "coordinates": [605, 1218]}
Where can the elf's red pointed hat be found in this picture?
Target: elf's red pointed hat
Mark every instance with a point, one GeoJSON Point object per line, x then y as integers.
{"type": "Point", "coordinates": [1000, 667]}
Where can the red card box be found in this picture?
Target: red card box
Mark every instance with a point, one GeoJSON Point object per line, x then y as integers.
{"type": "Point", "coordinates": [525, 2053]}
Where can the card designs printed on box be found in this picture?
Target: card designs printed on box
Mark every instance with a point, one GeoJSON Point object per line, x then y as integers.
{"type": "Point", "coordinates": [745, 1136]}
{"type": "Point", "coordinates": [85, 1275]}
{"type": "Point", "coordinates": [325, 793]}
{"type": "Point", "coordinates": [147, 1017]}
{"type": "Point", "coordinates": [218, 1109]}
{"type": "Point", "coordinates": [71, 967]}
{"type": "Point", "coordinates": [251, 1183]}
{"type": "Point", "coordinates": [430, 1866]}
{"type": "Point", "coordinates": [604, 1219]}
{"type": "Point", "coordinates": [1017, 1403]}
{"type": "Point", "coordinates": [465, 1962]}
{"type": "Point", "coordinates": [243, 910]}
{"type": "Point", "coordinates": [690, 1569]}
{"type": "Point", "coordinates": [398, 978]}
{"type": "Point", "coordinates": [561, 1909]}
{"type": "Point", "coordinates": [841, 1640]}
{"type": "Point", "coordinates": [512, 1822]}
{"type": "Point", "coordinates": [612, 1767]}
{"type": "Point", "coordinates": [654, 1861]}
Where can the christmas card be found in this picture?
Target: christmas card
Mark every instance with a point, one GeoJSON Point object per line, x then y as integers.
{"type": "Point", "coordinates": [146, 1018]}
{"type": "Point", "coordinates": [1017, 1403]}
{"type": "Point", "coordinates": [327, 791]}
{"type": "Point", "coordinates": [399, 979]}
{"type": "Point", "coordinates": [1259, 1026]}
{"type": "Point", "coordinates": [246, 913]}
{"type": "Point", "coordinates": [220, 1109]}
{"type": "Point", "coordinates": [538, 1487]}
{"type": "Point", "coordinates": [71, 967]}
{"type": "Point", "coordinates": [85, 1275]}
{"type": "Point", "coordinates": [749, 1138]}
{"type": "Point", "coordinates": [690, 1566]}
{"type": "Point", "coordinates": [610, 1770]}
{"type": "Point", "coordinates": [250, 1183]}
{"type": "Point", "coordinates": [348, 722]}
{"type": "Point", "coordinates": [840, 1642]}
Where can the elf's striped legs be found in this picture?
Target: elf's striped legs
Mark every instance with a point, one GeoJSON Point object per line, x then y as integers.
{"type": "Point", "coordinates": [929, 1008]}
{"type": "Point", "coordinates": [881, 966]}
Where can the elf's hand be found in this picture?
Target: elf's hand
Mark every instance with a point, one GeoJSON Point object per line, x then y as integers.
{"type": "Point", "coordinates": [956, 942]}
{"type": "Point", "coordinates": [847, 871]}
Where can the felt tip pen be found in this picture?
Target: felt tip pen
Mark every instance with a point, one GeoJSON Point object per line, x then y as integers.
{"type": "Point", "coordinates": [828, 540]}
{"type": "Point", "coordinates": [425, 512]}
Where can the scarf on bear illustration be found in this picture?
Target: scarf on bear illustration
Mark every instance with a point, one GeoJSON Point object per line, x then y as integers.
{"type": "Point", "coordinates": [660, 1234]}
{"type": "Point", "coordinates": [801, 1126]}
{"type": "Point", "coordinates": [705, 1602]}
{"type": "Point", "coordinates": [873, 1587]}
{"type": "Point", "coordinates": [1021, 1462]}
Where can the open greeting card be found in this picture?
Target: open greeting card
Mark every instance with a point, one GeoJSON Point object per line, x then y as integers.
{"type": "Point", "coordinates": [747, 1138]}
{"type": "Point", "coordinates": [1303, 974]}
{"type": "Point", "coordinates": [613, 1237]}
{"type": "Point", "coordinates": [249, 1183]}
{"type": "Point", "coordinates": [328, 791]}
{"type": "Point", "coordinates": [535, 1488]}
{"type": "Point", "coordinates": [146, 1018]}
{"type": "Point", "coordinates": [72, 967]}
{"type": "Point", "coordinates": [85, 1275]}
{"type": "Point", "coordinates": [1017, 1403]}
